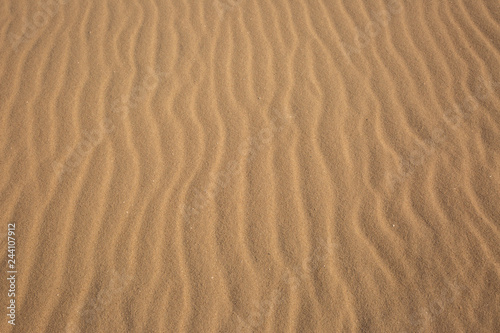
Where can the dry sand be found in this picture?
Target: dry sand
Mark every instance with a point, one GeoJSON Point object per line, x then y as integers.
{"type": "Point", "coordinates": [251, 166]}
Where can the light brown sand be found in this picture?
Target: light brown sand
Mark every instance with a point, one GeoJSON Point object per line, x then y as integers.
{"type": "Point", "coordinates": [251, 166]}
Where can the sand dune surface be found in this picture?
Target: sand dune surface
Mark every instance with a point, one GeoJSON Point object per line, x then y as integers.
{"type": "Point", "coordinates": [250, 166]}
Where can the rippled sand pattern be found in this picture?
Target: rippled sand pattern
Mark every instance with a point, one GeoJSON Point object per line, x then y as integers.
{"type": "Point", "coordinates": [251, 166]}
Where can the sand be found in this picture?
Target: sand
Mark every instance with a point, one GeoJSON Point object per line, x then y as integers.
{"type": "Point", "coordinates": [251, 166]}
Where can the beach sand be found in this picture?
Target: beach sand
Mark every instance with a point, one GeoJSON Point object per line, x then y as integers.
{"type": "Point", "coordinates": [250, 166]}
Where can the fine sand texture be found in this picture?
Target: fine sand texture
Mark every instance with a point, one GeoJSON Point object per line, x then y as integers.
{"type": "Point", "coordinates": [250, 166]}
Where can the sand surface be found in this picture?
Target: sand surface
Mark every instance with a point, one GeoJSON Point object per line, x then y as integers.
{"type": "Point", "coordinates": [251, 166]}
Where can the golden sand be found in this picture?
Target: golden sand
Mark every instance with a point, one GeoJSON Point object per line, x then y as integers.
{"type": "Point", "coordinates": [251, 166]}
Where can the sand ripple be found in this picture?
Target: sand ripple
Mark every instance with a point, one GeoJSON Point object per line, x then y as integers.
{"type": "Point", "coordinates": [242, 166]}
